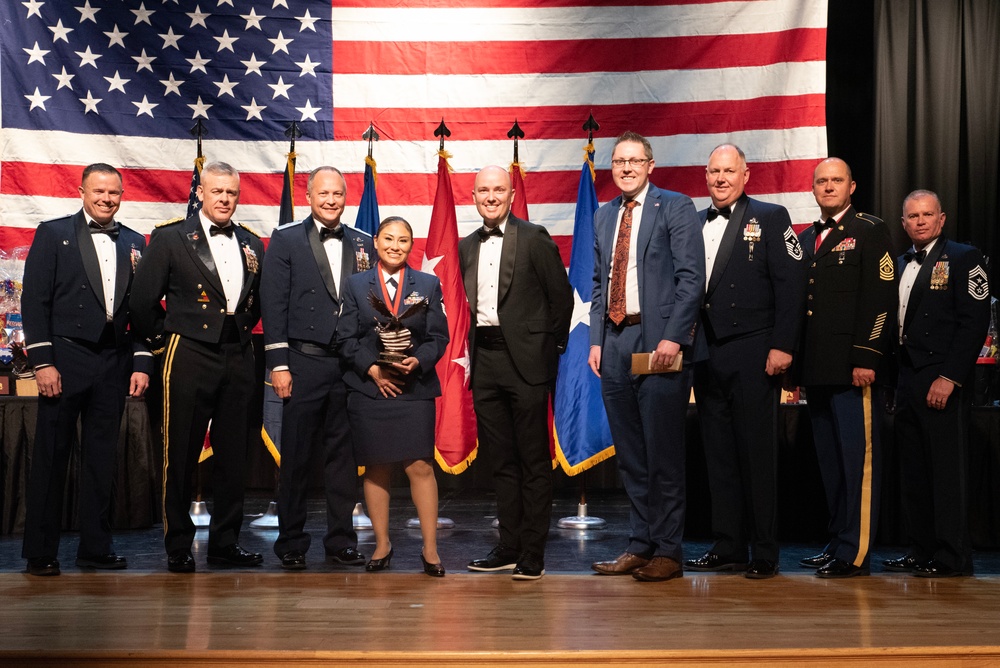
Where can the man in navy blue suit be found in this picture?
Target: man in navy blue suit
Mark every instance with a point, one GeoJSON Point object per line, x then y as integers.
{"type": "Point", "coordinates": [305, 274]}
{"type": "Point", "coordinates": [77, 280]}
{"type": "Point", "coordinates": [751, 320]}
{"type": "Point", "coordinates": [944, 310]}
{"type": "Point", "coordinates": [649, 281]}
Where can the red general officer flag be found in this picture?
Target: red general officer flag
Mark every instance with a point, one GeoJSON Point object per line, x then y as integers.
{"type": "Point", "coordinates": [455, 430]}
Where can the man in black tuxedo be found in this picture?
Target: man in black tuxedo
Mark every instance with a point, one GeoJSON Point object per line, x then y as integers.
{"type": "Point", "coordinates": [751, 320]}
{"type": "Point", "coordinates": [208, 268]}
{"type": "Point", "coordinates": [521, 305]}
{"type": "Point", "coordinates": [75, 307]}
{"type": "Point", "coordinates": [850, 307]}
{"type": "Point", "coordinates": [944, 310]}
{"type": "Point", "coordinates": [306, 269]}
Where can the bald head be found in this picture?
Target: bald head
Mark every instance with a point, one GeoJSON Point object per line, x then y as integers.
{"type": "Point", "coordinates": [493, 195]}
{"type": "Point", "coordinates": [832, 186]}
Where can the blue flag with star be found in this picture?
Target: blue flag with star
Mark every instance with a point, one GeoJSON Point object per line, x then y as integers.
{"type": "Point", "coordinates": [583, 437]}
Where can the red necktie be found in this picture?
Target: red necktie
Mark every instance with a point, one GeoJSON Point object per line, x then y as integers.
{"type": "Point", "coordinates": [616, 307]}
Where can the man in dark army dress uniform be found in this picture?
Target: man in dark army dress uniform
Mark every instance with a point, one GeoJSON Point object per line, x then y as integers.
{"type": "Point", "coordinates": [850, 309]}
{"type": "Point", "coordinates": [944, 310]}
{"type": "Point", "coordinates": [208, 267]}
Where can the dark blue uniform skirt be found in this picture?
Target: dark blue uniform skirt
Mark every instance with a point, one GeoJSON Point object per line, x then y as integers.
{"type": "Point", "coordinates": [390, 430]}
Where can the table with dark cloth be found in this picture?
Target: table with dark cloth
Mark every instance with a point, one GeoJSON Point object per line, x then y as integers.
{"type": "Point", "coordinates": [135, 498]}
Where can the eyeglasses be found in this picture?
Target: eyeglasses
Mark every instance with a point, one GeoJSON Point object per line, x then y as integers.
{"type": "Point", "coordinates": [634, 162]}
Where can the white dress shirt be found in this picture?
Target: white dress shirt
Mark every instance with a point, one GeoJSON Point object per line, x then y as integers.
{"type": "Point", "coordinates": [226, 254]}
{"type": "Point", "coordinates": [334, 254]}
{"type": "Point", "coordinates": [108, 262]}
{"type": "Point", "coordinates": [906, 280]}
{"type": "Point", "coordinates": [487, 292]}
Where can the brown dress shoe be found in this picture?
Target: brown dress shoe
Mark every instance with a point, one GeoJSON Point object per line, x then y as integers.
{"type": "Point", "coordinates": [658, 569]}
{"type": "Point", "coordinates": [623, 564]}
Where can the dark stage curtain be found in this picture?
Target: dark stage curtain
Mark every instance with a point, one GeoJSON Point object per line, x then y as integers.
{"type": "Point", "coordinates": [937, 113]}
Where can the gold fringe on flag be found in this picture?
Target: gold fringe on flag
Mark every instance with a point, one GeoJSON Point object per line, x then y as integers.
{"type": "Point", "coordinates": [586, 156]}
{"type": "Point", "coordinates": [370, 161]}
{"type": "Point", "coordinates": [447, 156]}
{"type": "Point", "coordinates": [523, 171]}
{"type": "Point", "coordinates": [459, 467]}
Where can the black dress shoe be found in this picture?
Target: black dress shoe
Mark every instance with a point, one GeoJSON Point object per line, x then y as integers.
{"type": "Point", "coordinates": [710, 562]}
{"type": "Point", "coordinates": [43, 566]}
{"type": "Point", "coordinates": [529, 567]}
{"type": "Point", "coordinates": [433, 570]}
{"type": "Point", "coordinates": [816, 561]}
{"type": "Point", "coordinates": [348, 556]}
{"type": "Point", "coordinates": [838, 568]}
{"type": "Point", "coordinates": [293, 561]}
{"type": "Point", "coordinates": [903, 564]}
{"type": "Point", "coordinates": [376, 565]}
{"type": "Point", "coordinates": [935, 569]}
{"type": "Point", "coordinates": [761, 569]}
{"type": "Point", "coordinates": [234, 555]}
{"type": "Point", "coordinates": [180, 561]}
{"type": "Point", "coordinates": [500, 558]}
{"type": "Point", "coordinates": [108, 562]}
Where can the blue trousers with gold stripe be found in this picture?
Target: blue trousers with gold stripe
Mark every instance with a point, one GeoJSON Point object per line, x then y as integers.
{"type": "Point", "coordinates": [846, 423]}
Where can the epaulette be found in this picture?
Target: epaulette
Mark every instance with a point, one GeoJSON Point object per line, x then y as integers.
{"type": "Point", "coordinates": [870, 219]}
{"type": "Point", "coordinates": [172, 221]}
{"type": "Point", "coordinates": [249, 229]}
{"type": "Point", "coordinates": [362, 232]}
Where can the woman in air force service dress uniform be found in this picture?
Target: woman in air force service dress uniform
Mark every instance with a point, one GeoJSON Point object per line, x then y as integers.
{"type": "Point", "coordinates": [392, 333]}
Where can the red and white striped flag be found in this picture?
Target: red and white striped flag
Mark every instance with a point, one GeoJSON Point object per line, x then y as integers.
{"type": "Point", "coordinates": [123, 83]}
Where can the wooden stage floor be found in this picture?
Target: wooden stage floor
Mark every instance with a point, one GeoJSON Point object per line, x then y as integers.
{"type": "Point", "coordinates": [258, 618]}
{"type": "Point", "coordinates": [330, 616]}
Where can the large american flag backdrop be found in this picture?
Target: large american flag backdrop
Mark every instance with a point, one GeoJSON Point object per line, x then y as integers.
{"type": "Point", "coordinates": [123, 81]}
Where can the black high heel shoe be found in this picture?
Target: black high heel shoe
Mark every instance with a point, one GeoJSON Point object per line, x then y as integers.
{"type": "Point", "coordinates": [382, 564]}
{"type": "Point", "coordinates": [433, 570]}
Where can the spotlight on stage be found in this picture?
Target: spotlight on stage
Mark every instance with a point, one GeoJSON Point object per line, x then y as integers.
{"type": "Point", "coordinates": [581, 520]}
{"type": "Point", "coordinates": [269, 520]}
{"type": "Point", "coordinates": [443, 523]}
{"type": "Point", "coordinates": [361, 521]}
{"type": "Point", "coordinates": [199, 514]}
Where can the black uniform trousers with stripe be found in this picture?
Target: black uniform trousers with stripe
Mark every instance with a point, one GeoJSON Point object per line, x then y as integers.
{"type": "Point", "coordinates": [203, 383]}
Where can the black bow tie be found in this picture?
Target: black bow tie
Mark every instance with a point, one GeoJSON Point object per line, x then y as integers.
{"type": "Point", "coordinates": [330, 233]}
{"type": "Point", "coordinates": [915, 255]}
{"type": "Point", "coordinates": [714, 213]}
{"type": "Point", "coordinates": [486, 233]}
{"type": "Point", "coordinates": [110, 230]}
{"type": "Point", "coordinates": [821, 224]}
{"type": "Point", "coordinates": [227, 230]}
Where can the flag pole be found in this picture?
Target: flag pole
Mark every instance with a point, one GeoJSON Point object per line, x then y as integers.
{"type": "Point", "coordinates": [442, 131]}
{"type": "Point", "coordinates": [582, 520]}
{"type": "Point", "coordinates": [199, 509]}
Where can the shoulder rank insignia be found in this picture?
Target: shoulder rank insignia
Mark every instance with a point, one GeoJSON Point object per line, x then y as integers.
{"type": "Point", "coordinates": [249, 229]}
{"type": "Point", "coordinates": [979, 285]}
{"type": "Point", "coordinates": [868, 218]}
{"type": "Point", "coordinates": [886, 268]}
{"type": "Point", "coordinates": [172, 221]}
